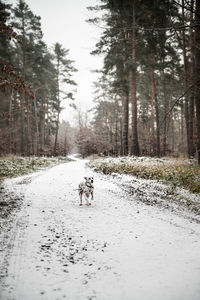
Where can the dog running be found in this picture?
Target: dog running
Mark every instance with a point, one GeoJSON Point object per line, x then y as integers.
{"type": "Point", "coordinates": [86, 188]}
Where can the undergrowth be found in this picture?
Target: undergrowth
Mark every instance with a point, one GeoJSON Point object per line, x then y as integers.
{"type": "Point", "coordinates": [15, 165]}
{"type": "Point", "coordinates": [179, 174]}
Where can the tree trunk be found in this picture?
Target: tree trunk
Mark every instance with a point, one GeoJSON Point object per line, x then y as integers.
{"type": "Point", "coordinates": [29, 137]}
{"type": "Point", "coordinates": [154, 95]}
{"type": "Point", "coordinates": [185, 79]}
{"type": "Point", "coordinates": [152, 137]}
{"type": "Point", "coordinates": [197, 76]}
{"type": "Point", "coordinates": [116, 128]}
{"type": "Point", "coordinates": [58, 115]}
{"type": "Point", "coordinates": [116, 137]}
{"type": "Point", "coordinates": [191, 98]}
{"type": "Point", "coordinates": [135, 145]}
{"type": "Point", "coordinates": [121, 147]}
{"type": "Point", "coordinates": [47, 123]}
{"type": "Point", "coordinates": [65, 144]}
{"type": "Point", "coordinates": [125, 117]}
{"type": "Point", "coordinates": [42, 131]}
{"type": "Point", "coordinates": [145, 133]}
{"type": "Point", "coordinates": [165, 115]}
{"type": "Point", "coordinates": [22, 122]}
{"type": "Point", "coordinates": [10, 122]}
{"type": "Point", "coordinates": [36, 124]}
{"type": "Point", "coordinates": [170, 121]}
{"type": "Point", "coordinates": [182, 135]}
{"type": "Point", "coordinates": [22, 100]}
{"type": "Point", "coordinates": [152, 131]}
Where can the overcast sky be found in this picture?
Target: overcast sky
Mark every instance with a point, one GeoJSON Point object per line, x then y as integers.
{"type": "Point", "coordinates": [63, 21]}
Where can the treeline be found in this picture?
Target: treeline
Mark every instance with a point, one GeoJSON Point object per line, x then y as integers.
{"type": "Point", "coordinates": [147, 97]}
{"type": "Point", "coordinates": [33, 83]}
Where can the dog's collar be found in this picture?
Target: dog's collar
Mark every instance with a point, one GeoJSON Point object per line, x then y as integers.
{"type": "Point", "coordinates": [90, 186]}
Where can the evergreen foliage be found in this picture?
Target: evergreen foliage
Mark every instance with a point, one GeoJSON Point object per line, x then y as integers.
{"type": "Point", "coordinates": [29, 89]}
{"type": "Point", "coordinates": [149, 51]}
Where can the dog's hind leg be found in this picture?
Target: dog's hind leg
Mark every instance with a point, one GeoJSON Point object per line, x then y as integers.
{"type": "Point", "coordinates": [81, 196]}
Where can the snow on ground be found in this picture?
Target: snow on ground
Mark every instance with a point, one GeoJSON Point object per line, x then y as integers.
{"type": "Point", "coordinates": [145, 160]}
{"type": "Point", "coordinates": [118, 248]}
{"type": "Point", "coordinates": [153, 192]}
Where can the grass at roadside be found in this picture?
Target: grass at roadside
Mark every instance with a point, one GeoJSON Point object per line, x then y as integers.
{"type": "Point", "coordinates": [181, 173]}
{"type": "Point", "coordinates": [12, 166]}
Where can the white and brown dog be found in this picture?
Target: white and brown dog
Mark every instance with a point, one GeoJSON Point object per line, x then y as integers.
{"type": "Point", "coordinates": [86, 188]}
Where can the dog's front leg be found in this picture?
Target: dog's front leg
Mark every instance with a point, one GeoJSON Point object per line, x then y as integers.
{"type": "Point", "coordinates": [92, 195]}
{"type": "Point", "coordinates": [86, 199]}
{"type": "Point", "coordinates": [81, 197]}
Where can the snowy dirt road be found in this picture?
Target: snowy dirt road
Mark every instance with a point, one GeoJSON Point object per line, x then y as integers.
{"type": "Point", "coordinates": [116, 249]}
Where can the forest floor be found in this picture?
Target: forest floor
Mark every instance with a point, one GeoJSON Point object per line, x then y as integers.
{"type": "Point", "coordinates": [120, 247]}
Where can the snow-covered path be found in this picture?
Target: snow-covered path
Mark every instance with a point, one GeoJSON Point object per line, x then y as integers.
{"type": "Point", "coordinates": [116, 249]}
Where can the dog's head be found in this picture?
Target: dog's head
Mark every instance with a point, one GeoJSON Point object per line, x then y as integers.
{"type": "Point", "coordinates": [89, 180]}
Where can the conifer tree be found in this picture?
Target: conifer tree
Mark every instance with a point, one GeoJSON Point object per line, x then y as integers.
{"type": "Point", "coordinates": [64, 82]}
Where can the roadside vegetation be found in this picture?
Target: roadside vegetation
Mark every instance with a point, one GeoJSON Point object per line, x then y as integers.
{"type": "Point", "coordinates": [11, 166]}
{"type": "Point", "coordinates": [178, 172]}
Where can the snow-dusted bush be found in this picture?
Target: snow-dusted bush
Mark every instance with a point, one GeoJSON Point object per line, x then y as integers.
{"type": "Point", "coordinates": [178, 172]}
{"type": "Point", "coordinates": [15, 165]}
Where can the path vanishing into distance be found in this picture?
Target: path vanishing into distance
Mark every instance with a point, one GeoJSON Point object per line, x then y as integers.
{"type": "Point", "coordinates": [116, 249]}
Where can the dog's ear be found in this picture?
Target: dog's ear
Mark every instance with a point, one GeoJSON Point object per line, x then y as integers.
{"type": "Point", "coordinates": [85, 178]}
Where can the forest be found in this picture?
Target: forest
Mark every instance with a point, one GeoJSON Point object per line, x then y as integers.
{"type": "Point", "coordinates": [146, 100]}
